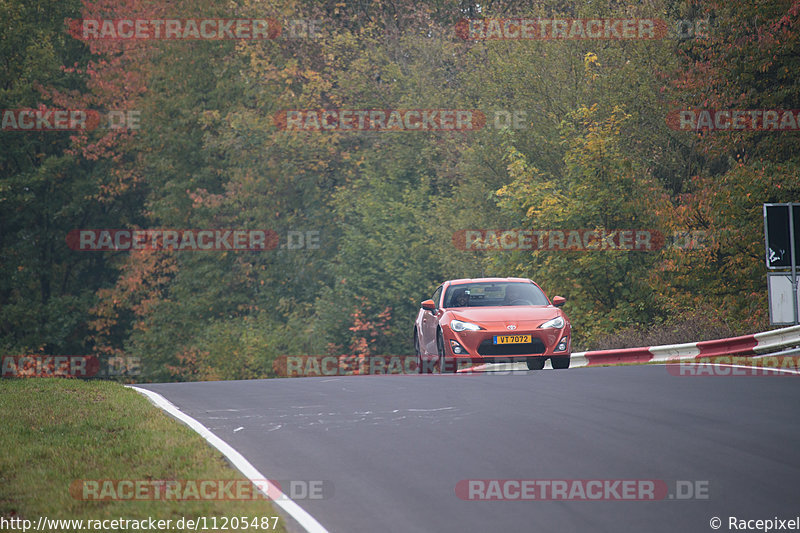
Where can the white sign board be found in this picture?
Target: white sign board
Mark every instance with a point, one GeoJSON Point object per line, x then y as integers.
{"type": "Point", "coordinates": [781, 310]}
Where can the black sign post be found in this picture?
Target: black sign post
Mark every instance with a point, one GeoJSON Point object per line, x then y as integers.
{"type": "Point", "coordinates": [782, 238]}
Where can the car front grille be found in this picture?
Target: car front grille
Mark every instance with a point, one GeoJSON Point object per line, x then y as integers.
{"type": "Point", "coordinates": [487, 347]}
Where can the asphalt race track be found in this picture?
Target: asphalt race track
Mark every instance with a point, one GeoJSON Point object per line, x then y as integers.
{"type": "Point", "coordinates": [393, 448]}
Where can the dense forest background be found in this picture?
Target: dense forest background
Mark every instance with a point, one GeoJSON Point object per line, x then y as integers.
{"type": "Point", "coordinates": [592, 149]}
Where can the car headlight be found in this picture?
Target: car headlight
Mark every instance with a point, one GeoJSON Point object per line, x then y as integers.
{"type": "Point", "coordinates": [458, 325]}
{"type": "Point", "coordinates": [556, 323]}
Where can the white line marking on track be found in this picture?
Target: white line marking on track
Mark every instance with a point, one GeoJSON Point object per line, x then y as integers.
{"type": "Point", "coordinates": [306, 521]}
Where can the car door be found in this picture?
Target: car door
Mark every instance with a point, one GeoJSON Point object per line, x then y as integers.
{"type": "Point", "coordinates": [430, 320]}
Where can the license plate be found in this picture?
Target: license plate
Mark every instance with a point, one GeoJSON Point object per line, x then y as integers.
{"type": "Point", "coordinates": [512, 339]}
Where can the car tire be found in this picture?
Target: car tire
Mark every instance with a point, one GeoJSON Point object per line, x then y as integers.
{"type": "Point", "coordinates": [535, 363]}
{"type": "Point", "coordinates": [441, 352]}
{"type": "Point", "coordinates": [418, 353]}
{"type": "Point", "coordinates": [562, 361]}
{"type": "Point", "coordinates": [423, 365]}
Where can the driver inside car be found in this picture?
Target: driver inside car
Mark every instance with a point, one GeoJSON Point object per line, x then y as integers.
{"type": "Point", "coordinates": [514, 294]}
{"type": "Point", "coordinates": [461, 299]}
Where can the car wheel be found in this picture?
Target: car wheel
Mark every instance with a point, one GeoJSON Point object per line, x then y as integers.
{"type": "Point", "coordinates": [417, 352]}
{"type": "Point", "coordinates": [535, 363]}
{"type": "Point", "coordinates": [440, 350]}
{"type": "Point", "coordinates": [562, 361]}
{"type": "Point", "coordinates": [423, 367]}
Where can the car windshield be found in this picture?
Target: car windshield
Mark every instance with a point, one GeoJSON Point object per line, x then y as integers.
{"type": "Point", "coordinates": [489, 294]}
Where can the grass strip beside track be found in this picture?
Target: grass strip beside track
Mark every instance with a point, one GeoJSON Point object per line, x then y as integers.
{"type": "Point", "coordinates": [56, 431]}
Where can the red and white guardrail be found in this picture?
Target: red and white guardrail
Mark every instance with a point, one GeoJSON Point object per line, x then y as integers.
{"type": "Point", "coordinates": [747, 345]}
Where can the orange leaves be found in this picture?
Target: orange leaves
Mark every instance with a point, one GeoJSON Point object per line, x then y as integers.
{"type": "Point", "coordinates": [192, 366]}
{"type": "Point", "coordinates": [367, 331]}
{"type": "Point", "coordinates": [139, 288]}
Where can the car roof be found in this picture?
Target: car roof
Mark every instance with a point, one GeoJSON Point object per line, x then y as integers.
{"type": "Point", "coordinates": [486, 280]}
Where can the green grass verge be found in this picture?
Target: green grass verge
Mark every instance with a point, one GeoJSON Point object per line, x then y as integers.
{"type": "Point", "coordinates": [56, 431]}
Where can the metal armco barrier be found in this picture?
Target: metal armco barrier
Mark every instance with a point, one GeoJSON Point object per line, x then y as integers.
{"type": "Point", "coordinates": [756, 344]}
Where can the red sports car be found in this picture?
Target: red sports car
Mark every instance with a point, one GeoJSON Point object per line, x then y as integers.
{"type": "Point", "coordinates": [489, 320]}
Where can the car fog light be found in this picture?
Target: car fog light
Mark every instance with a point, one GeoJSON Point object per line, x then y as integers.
{"type": "Point", "coordinates": [456, 347]}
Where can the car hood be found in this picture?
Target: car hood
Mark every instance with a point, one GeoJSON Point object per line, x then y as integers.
{"type": "Point", "coordinates": [517, 313]}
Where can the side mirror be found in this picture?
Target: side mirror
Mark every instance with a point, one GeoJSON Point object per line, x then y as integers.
{"type": "Point", "coordinates": [428, 305]}
{"type": "Point", "coordinates": [558, 301]}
